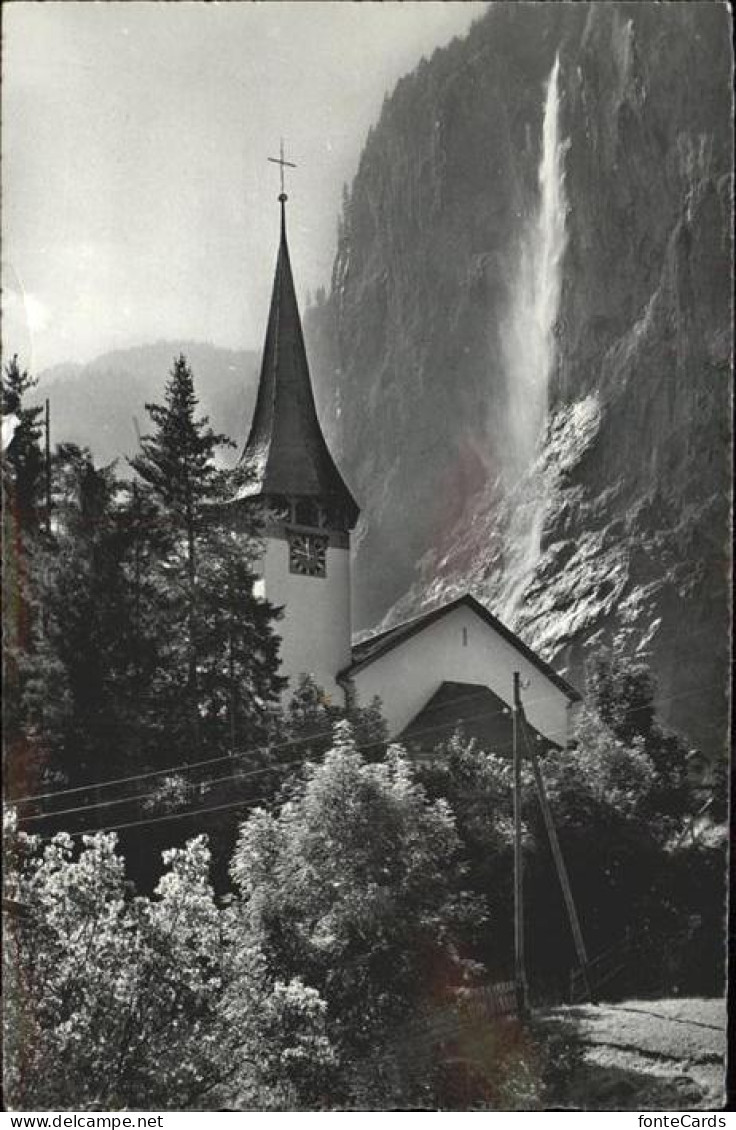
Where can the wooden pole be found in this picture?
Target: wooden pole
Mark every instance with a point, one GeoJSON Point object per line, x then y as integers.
{"type": "Point", "coordinates": [519, 966]}
{"type": "Point", "coordinates": [137, 576]}
{"type": "Point", "coordinates": [558, 857]}
{"type": "Point", "coordinates": [231, 674]}
{"type": "Point", "coordinates": [138, 635]}
{"type": "Point", "coordinates": [47, 464]}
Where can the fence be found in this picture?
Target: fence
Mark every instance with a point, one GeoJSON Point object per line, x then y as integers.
{"type": "Point", "coordinates": [601, 970]}
{"type": "Point", "coordinates": [489, 1001]}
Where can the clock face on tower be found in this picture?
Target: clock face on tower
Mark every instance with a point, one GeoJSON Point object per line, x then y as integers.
{"type": "Point", "coordinates": [308, 555]}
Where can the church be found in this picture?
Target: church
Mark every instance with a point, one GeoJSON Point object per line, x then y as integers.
{"type": "Point", "coordinates": [454, 665]}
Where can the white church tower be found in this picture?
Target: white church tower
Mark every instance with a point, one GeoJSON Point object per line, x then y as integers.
{"type": "Point", "coordinates": [305, 568]}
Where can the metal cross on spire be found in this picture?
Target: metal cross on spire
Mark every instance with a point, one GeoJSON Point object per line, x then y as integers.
{"type": "Point", "coordinates": [282, 163]}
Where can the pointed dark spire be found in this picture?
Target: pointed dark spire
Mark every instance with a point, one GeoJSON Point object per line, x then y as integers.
{"type": "Point", "coordinates": [286, 448]}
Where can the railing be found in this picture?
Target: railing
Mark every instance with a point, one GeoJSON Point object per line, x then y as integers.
{"type": "Point", "coordinates": [488, 1001]}
{"type": "Point", "coordinates": [601, 969]}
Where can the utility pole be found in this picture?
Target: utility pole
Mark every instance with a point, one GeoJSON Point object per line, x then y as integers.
{"type": "Point", "coordinates": [232, 611]}
{"type": "Point", "coordinates": [556, 853]}
{"type": "Point", "coordinates": [47, 464]}
{"type": "Point", "coordinates": [138, 633]}
{"type": "Point", "coordinates": [137, 576]}
{"type": "Point", "coordinates": [522, 1003]}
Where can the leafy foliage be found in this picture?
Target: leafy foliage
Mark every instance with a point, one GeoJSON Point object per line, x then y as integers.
{"type": "Point", "coordinates": [621, 800]}
{"type": "Point", "coordinates": [113, 995]}
{"type": "Point", "coordinates": [310, 718]}
{"type": "Point", "coordinates": [621, 691]}
{"type": "Point", "coordinates": [353, 886]}
{"type": "Point", "coordinates": [120, 1001]}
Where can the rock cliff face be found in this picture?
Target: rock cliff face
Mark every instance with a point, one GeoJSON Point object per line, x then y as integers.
{"type": "Point", "coordinates": [616, 521]}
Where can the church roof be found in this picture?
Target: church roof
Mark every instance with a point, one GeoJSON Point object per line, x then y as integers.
{"type": "Point", "coordinates": [372, 648]}
{"type": "Point", "coordinates": [475, 708]}
{"type": "Point", "coordinates": [286, 448]}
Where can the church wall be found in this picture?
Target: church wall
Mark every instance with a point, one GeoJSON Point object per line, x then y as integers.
{"type": "Point", "coordinates": [315, 628]}
{"type": "Point", "coordinates": [459, 647]}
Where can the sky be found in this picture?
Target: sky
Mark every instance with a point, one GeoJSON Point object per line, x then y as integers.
{"type": "Point", "coordinates": [138, 202]}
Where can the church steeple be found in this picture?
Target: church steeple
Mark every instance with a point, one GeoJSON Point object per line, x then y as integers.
{"type": "Point", "coordinates": [286, 448]}
{"type": "Point", "coordinates": [308, 511]}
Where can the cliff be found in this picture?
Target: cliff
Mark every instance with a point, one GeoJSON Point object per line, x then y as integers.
{"type": "Point", "coordinates": [615, 521]}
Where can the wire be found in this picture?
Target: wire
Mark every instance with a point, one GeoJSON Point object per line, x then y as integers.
{"type": "Point", "coordinates": [243, 802]}
{"type": "Point", "coordinates": [256, 772]}
{"type": "Point", "coordinates": [116, 781]}
{"type": "Point", "coordinates": [269, 769]}
{"type": "Point", "coordinates": [170, 816]}
{"type": "Point", "coordinates": [13, 802]}
{"type": "Point", "coordinates": [301, 741]}
{"type": "Point", "coordinates": [137, 798]}
{"type": "Point", "coordinates": [184, 765]}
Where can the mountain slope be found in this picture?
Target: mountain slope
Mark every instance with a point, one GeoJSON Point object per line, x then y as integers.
{"type": "Point", "coordinates": [102, 403]}
{"type": "Point", "coordinates": [627, 493]}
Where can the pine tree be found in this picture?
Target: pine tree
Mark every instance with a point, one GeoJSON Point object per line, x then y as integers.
{"type": "Point", "coordinates": [179, 479]}
{"type": "Point", "coordinates": [23, 462]}
{"type": "Point", "coordinates": [218, 676]}
{"type": "Point", "coordinates": [237, 650]}
{"type": "Point", "coordinates": [79, 697]}
{"type": "Point", "coordinates": [22, 490]}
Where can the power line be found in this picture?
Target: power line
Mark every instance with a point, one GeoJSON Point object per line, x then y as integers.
{"type": "Point", "coordinates": [273, 767]}
{"type": "Point", "coordinates": [170, 816]}
{"type": "Point", "coordinates": [254, 772]}
{"type": "Point", "coordinates": [137, 798]}
{"type": "Point", "coordinates": [116, 781]}
{"type": "Point", "coordinates": [244, 801]}
{"type": "Point", "coordinates": [300, 741]}
{"type": "Point", "coordinates": [185, 765]}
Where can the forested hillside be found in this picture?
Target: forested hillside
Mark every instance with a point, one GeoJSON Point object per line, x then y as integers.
{"type": "Point", "coordinates": [101, 404]}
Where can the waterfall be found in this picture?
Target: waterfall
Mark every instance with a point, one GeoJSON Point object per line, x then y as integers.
{"type": "Point", "coordinates": [528, 344]}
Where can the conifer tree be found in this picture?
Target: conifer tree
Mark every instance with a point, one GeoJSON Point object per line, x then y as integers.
{"type": "Point", "coordinates": [22, 490]}
{"type": "Point", "coordinates": [220, 657]}
{"type": "Point", "coordinates": [79, 697]}
{"type": "Point", "coordinates": [23, 462]}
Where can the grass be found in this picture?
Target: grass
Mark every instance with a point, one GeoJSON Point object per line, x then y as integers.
{"type": "Point", "coordinates": [645, 1054]}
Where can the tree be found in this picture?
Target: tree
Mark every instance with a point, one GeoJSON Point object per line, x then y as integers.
{"type": "Point", "coordinates": [621, 690]}
{"type": "Point", "coordinates": [22, 502]}
{"type": "Point", "coordinates": [113, 995]}
{"type": "Point", "coordinates": [310, 718]}
{"type": "Point", "coordinates": [23, 471]}
{"type": "Point", "coordinates": [218, 677]}
{"type": "Point", "coordinates": [113, 1000]}
{"type": "Point", "coordinates": [177, 468]}
{"type": "Point", "coordinates": [79, 698]}
{"type": "Point", "coordinates": [619, 808]}
{"type": "Point", "coordinates": [477, 785]}
{"type": "Point", "coordinates": [236, 646]}
{"type": "Point", "coordinates": [353, 887]}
